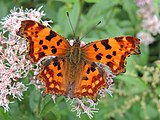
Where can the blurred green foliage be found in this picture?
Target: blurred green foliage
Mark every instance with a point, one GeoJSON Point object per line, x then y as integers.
{"type": "Point", "coordinates": [136, 94]}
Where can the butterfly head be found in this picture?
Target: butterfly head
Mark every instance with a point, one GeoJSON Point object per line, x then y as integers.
{"type": "Point", "coordinates": [76, 42]}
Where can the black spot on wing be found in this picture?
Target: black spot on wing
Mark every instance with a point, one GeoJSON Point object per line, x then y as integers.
{"type": "Point", "coordinates": [114, 53]}
{"type": "Point", "coordinates": [105, 44]}
{"type": "Point", "coordinates": [95, 47]}
{"type": "Point", "coordinates": [121, 46]}
{"type": "Point", "coordinates": [85, 78]}
{"type": "Point", "coordinates": [51, 35]}
{"type": "Point", "coordinates": [59, 67]}
{"type": "Point", "coordinates": [55, 63]}
{"type": "Point", "coordinates": [45, 47]}
{"type": "Point", "coordinates": [119, 39]}
{"type": "Point", "coordinates": [109, 56]}
{"type": "Point", "coordinates": [54, 50]}
{"type": "Point", "coordinates": [41, 54]}
{"type": "Point", "coordinates": [41, 42]}
{"type": "Point", "coordinates": [36, 32]}
{"type": "Point", "coordinates": [88, 71]}
{"type": "Point", "coordinates": [98, 57]}
{"type": "Point", "coordinates": [59, 42]}
{"type": "Point", "coordinates": [93, 68]}
{"type": "Point", "coordinates": [59, 74]}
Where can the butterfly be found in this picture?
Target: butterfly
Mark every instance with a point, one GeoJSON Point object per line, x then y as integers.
{"type": "Point", "coordinates": [74, 71]}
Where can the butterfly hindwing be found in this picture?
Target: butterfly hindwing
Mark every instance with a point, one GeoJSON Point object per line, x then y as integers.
{"type": "Point", "coordinates": [112, 52]}
{"type": "Point", "coordinates": [52, 76]}
{"type": "Point", "coordinates": [93, 79]}
{"type": "Point", "coordinates": [42, 40]}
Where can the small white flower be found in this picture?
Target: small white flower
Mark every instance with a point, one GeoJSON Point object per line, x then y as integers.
{"type": "Point", "coordinates": [150, 21]}
{"type": "Point", "coordinates": [152, 25]}
{"type": "Point", "coordinates": [145, 37]}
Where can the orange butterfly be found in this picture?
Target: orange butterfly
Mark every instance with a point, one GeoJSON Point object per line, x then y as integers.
{"type": "Point", "coordinates": [74, 72]}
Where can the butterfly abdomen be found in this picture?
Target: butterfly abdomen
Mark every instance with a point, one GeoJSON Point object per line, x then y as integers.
{"type": "Point", "coordinates": [72, 74]}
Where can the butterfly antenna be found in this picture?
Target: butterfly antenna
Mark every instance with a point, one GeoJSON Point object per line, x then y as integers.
{"type": "Point", "coordinates": [74, 34]}
{"type": "Point", "coordinates": [90, 30]}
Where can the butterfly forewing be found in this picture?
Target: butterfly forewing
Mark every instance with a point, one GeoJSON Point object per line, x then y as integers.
{"type": "Point", "coordinates": [112, 52]}
{"type": "Point", "coordinates": [42, 40]}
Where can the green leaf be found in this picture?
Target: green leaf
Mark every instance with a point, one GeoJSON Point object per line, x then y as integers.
{"type": "Point", "coordinates": [34, 100]}
{"type": "Point", "coordinates": [142, 58]}
{"type": "Point", "coordinates": [133, 85]}
{"type": "Point", "coordinates": [91, 1]}
{"type": "Point", "coordinates": [98, 12]}
{"type": "Point", "coordinates": [68, 1]}
{"type": "Point", "coordinates": [63, 20]}
{"type": "Point", "coordinates": [101, 8]}
{"type": "Point", "coordinates": [19, 110]}
{"type": "Point", "coordinates": [130, 7]}
{"type": "Point", "coordinates": [157, 90]}
{"type": "Point", "coordinates": [114, 29]}
{"type": "Point", "coordinates": [4, 9]}
{"type": "Point", "coordinates": [47, 107]}
{"type": "Point", "coordinates": [50, 8]}
{"type": "Point", "coordinates": [131, 65]}
{"type": "Point", "coordinates": [4, 115]}
{"type": "Point", "coordinates": [75, 15]}
{"type": "Point", "coordinates": [152, 112]}
{"type": "Point", "coordinates": [155, 4]}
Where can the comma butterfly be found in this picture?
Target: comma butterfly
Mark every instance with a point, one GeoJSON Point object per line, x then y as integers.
{"type": "Point", "coordinates": [74, 72]}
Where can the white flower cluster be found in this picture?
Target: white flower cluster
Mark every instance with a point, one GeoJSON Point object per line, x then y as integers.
{"type": "Point", "coordinates": [13, 62]}
{"type": "Point", "coordinates": [150, 21]}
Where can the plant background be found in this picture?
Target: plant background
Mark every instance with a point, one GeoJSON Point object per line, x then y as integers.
{"type": "Point", "coordinates": [134, 95]}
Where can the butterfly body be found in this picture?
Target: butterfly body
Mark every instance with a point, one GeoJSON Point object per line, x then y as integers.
{"type": "Point", "coordinates": [74, 72]}
{"type": "Point", "coordinates": [75, 53]}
